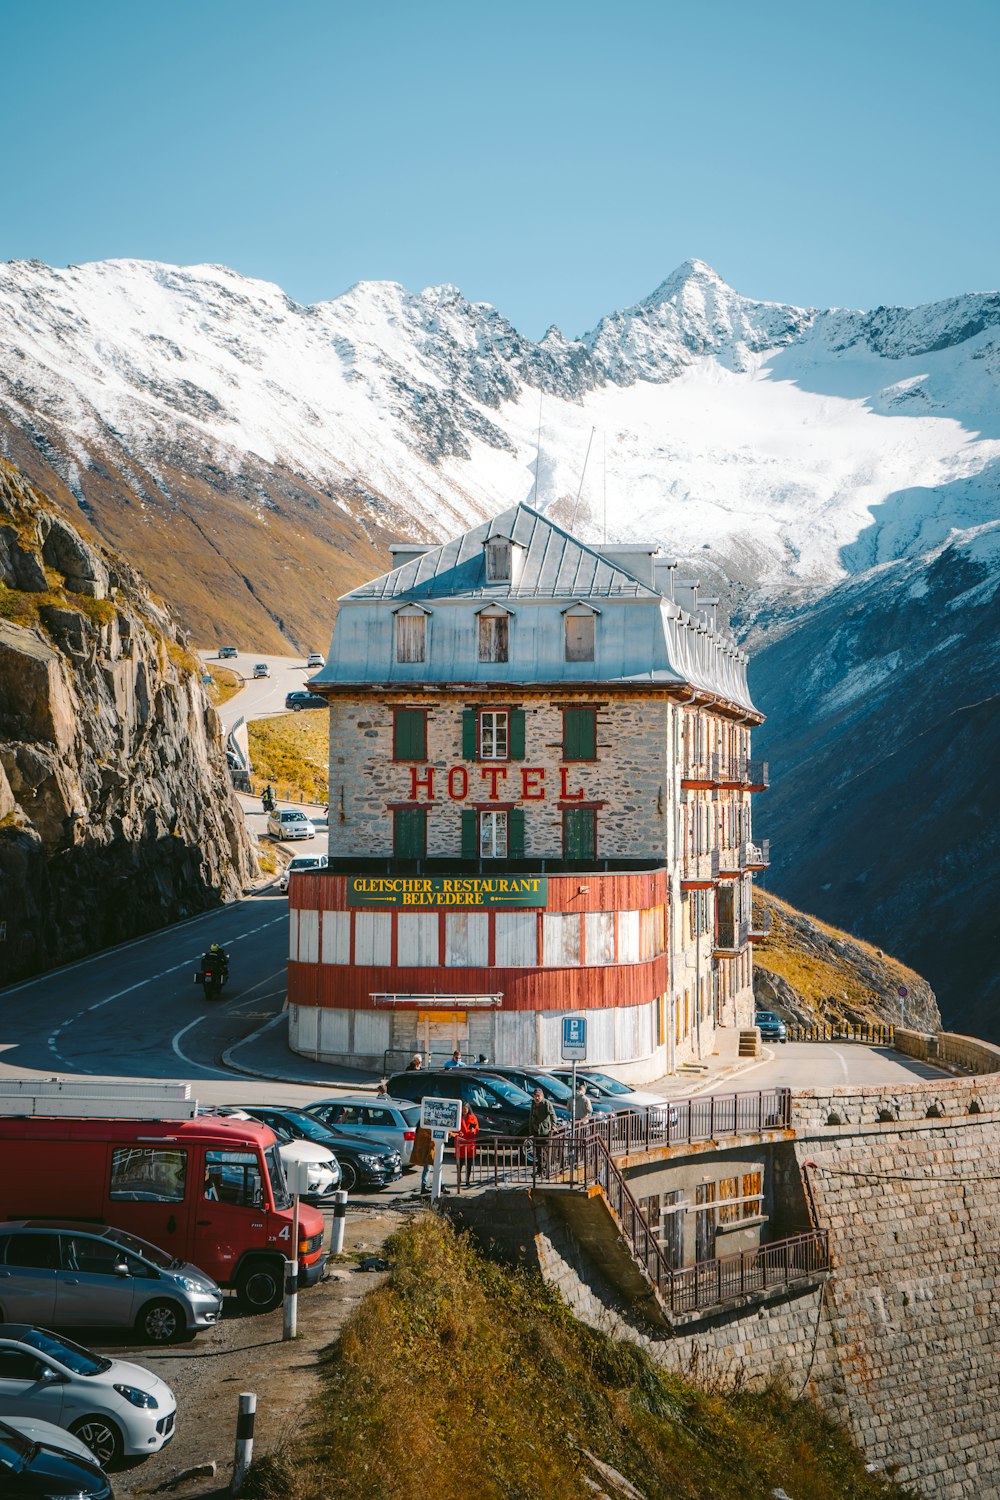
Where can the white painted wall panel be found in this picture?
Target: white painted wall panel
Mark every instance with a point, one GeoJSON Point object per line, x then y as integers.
{"type": "Point", "coordinates": [336, 937]}
{"type": "Point", "coordinates": [560, 939]}
{"type": "Point", "coordinates": [372, 937]}
{"type": "Point", "coordinates": [600, 937]}
{"type": "Point", "coordinates": [372, 1030]}
{"type": "Point", "coordinates": [334, 1031]}
{"type": "Point", "coordinates": [517, 939]}
{"type": "Point", "coordinates": [309, 937]}
{"type": "Point", "coordinates": [417, 940]}
{"type": "Point", "coordinates": [304, 1027]}
{"type": "Point", "coordinates": [628, 937]}
{"type": "Point", "coordinates": [467, 939]}
{"type": "Point", "coordinates": [293, 936]}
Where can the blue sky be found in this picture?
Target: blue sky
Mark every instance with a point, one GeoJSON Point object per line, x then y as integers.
{"type": "Point", "coordinates": [555, 159]}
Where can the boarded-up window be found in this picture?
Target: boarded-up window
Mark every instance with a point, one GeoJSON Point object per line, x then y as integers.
{"type": "Point", "coordinates": [600, 929]}
{"type": "Point", "coordinates": [409, 832]}
{"type": "Point", "coordinates": [417, 940]}
{"type": "Point", "coordinates": [628, 937]}
{"type": "Point", "coordinates": [647, 936]}
{"type": "Point", "coordinates": [336, 937]}
{"type": "Point", "coordinates": [579, 733]}
{"type": "Point", "coordinates": [372, 937]}
{"type": "Point", "coordinates": [579, 637]}
{"type": "Point", "coordinates": [560, 938]}
{"type": "Point", "coordinates": [409, 734]}
{"type": "Point", "coordinates": [498, 561]}
{"type": "Point", "coordinates": [579, 833]}
{"type": "Point", "coordinates": [517, 939]}
{"type": "Point", "coordinates": [308, 937]}
{"type": "Point", "coordinates": [467, 940]}
{"type": "Point", "coordinates": [411, 637]}
{"type": "Point", "coordinates": [494, 637]}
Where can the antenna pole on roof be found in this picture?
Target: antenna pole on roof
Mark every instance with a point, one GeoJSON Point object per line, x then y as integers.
{"type": "Point", "coordinates": [583, 471]}
{"type": "Point", "coordinates": [538, 445]}
{"type": "Point", "coordinates": [604, 442]}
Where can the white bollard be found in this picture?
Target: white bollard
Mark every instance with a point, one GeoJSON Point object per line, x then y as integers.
{"type": "Point", "coordinates": [244, 1440]}
{"type": "Point", "coordinates": [290, 1322]}
{"type": "Point", "coordinates": [436, 1174]}
{"type": "Point", "coordinates": [339, 1221]}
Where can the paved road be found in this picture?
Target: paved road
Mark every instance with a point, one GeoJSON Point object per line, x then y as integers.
{"type": "Point", "coordinates": [263, 696]}
{"type": "Point", "coordinates": [801, 1065]}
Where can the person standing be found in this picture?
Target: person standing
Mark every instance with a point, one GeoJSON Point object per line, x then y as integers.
{"type": "Point", "coordinates": [415, 1064]}
{"type": "Point", "coordinates": [422, 1154]}
{"type": "Point", "coordinates": [581, 1106]}
{"type": "Point", "coordinates": [455, 1061]}
{"type": "Point", "coordinates": [465, 1146]}
{"type": "Point", "coordinates": [541, 1126]}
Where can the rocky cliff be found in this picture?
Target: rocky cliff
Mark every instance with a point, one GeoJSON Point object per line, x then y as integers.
{"type": "Point", "coordinates": [116, 811]}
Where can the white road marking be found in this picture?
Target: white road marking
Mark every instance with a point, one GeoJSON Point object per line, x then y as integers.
{"type": "Point", "coordinates": [843, 1063]}
{"type": "Point", "coordinates": [175, 1045]}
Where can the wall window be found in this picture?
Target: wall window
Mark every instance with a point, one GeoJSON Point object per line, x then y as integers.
{"type": "Point", "coordinates": [579, 734]}
{"type": "Point", "coordinates": [233, 1177]}
{"type": "Point", "coordinates": [494, 638]}
{"type": "Point", "coordinates": [493, 835]}
{"type": "Point", "coordinates": [580, 632]}
{"type": "Point", "coordinates": [579, 833]}
{"type": "Point", "coordinates": [494, 735]}
{"type": "Point", "coordinates": [411, 636]}
{"type": "Point", "coordinates": [409, 734]}
{"type": "Point", "coordinates": [498, 560]}
{"type": "Point", "coordinates": [741, 1197]}
{"type": "Point", "coordinates": [409, 832]}
{"type": "Point", "coordinates": [148, 1174]}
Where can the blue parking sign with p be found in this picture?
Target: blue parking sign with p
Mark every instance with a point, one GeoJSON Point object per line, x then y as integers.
{"type": "Point", "coordinates": [574, 1038]}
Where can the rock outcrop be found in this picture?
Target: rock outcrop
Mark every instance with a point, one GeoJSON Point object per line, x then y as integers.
{"type": "Point", "coordinates": [116, 810]}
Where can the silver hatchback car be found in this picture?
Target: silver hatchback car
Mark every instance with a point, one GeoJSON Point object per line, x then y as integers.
{"type": "Point", "coordinates": [388, 1123]}
{"type": "Point", "coordinates": [78, 1275]}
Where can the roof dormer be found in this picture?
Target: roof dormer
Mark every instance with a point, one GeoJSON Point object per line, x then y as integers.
{"type": "Point", "coordinates": [504, 560]}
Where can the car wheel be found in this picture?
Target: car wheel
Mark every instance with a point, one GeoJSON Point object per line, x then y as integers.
{"type": "Point", "coordinates": [161, 1323]}
{"type": "Point", "coordinates": [261, 1285]}
{"type": "Point", "coordinates": [101, 1437]}
{"type": "Point", "coordinates": [348, 1176]}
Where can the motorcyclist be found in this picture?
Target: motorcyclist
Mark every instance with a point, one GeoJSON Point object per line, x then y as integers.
{"type": "Point", "coordinates": [215, 957]}
{"type": "Point", "coordinates": [268, 798]}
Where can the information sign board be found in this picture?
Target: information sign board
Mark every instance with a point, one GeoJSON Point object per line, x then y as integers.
{"type": "Point", "coordinates": [440, 1114]}
{"type": "Point", "coordinates": [447, 890]}
{"type": "Point", "coordinates": [574, 1039]}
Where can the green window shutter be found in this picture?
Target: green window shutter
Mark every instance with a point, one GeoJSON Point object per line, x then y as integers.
{"type": "Point", "coordinates": [579, 833]}
{"type": "Point", "coordinates": [517, 734]}
{"type": "Point", "coordinates": [411, 734]}
{"type": "Point", "coordinates": [469, 734]}
{"type": "Point", "coordinates": [515, 833]}
{"type": "Point", "coordinates": [470, 833]}
{"type": "Point", "coordinates": [409, 832]}
{"type": "Point", "coordinates": [579, 733]}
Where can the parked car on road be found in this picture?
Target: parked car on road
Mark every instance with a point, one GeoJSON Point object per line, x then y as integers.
{"type": "Point", "coordinates": [324, 1169]}
{"type": "Point", "coordinates": [303, 699]}
{"type": "Point", "coordinates": [227, 653]}
{"type": "Point", "coordinates": [39, 1461]}
{"type": "Point", "coordinates": [285, 823]}
{"type": "Point", "coordinates": [314, 659]}
{"type": "Point", "coordinates": [79, 1275]}
{"type": "Point", "coordinates": [362, 1163]}
{"type": "Point", "coordinates": [603, 1086]}
{"type": "Point", "coordinates": [771, 1027]}
{"type": "Point", "coordinates": [261, 670]}
{"type": "Point", "coordinates": [552, 1087]}
{"type": "Point", "coordinates": [499, 1105]}
{"type": "Point", "coordinates": [118, 1409]}
{"type": "Point", "coordinates": [302, 862]}
{"type": "Point", "coordinates": [391, 1123]}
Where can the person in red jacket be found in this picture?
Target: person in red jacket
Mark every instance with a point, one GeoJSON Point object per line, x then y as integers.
{"type": "Point", "coordinates": [465, 1146]}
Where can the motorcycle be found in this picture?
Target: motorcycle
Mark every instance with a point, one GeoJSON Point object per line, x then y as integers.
{"type": "Point", "coordinates": [212, 976]}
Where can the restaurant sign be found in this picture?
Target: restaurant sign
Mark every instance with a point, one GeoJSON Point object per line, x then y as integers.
{"type": "Point", "coordinates": [447, 890]}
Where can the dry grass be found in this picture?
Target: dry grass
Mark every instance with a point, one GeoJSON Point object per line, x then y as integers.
{"type": "Point", "coordinates": [292, 753]}
{"type": "Point", "coordinates": [459, 1378]}
{"type": "Point", "coordinates": [225, 684]}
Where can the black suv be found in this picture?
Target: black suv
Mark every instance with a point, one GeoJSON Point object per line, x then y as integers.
{"type": "Point", "coordinates": [363, 1163]}
{"type": "Point", "coordinates": [302, 699]}
{"type": "Point", "coordinates": [499, 1105]}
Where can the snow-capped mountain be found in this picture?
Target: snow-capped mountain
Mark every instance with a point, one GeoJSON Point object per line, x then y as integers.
{"type": "Point", "coordinates": [835, 472]}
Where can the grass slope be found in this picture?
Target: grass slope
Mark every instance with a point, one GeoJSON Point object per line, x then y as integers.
{"type": "Point", "coordinates": [458, 1378]}
{"type": "Point", "coordinates": [291, 752]}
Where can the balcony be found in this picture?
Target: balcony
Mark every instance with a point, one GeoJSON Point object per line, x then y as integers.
{"type": "Point", "coordinates": [697, 871]}
{"type": "Point", "coordinates": [730, 939]}
{"type": "Point", "coordinates": [757, 778]}
{"type": "Point", "coordinates": [756, 856]}
{"type": "Point", "coordinates": [726, 864]}
{"type": "Point", "coordinates": [760, 927]}
{"type": "Point", "coordinates": [700, 775]}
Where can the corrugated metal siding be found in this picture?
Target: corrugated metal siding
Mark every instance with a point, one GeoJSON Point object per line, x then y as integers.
{"type": "Point", "coordinates": [309, 937]}
{"type": "Point", "coordinates": [418, 939]}
{"type": "Point", "coordinates": [600, 936]}
{"type": "Point", "coordinates": [372, 1031]}
{"type": "Point", "coordinates": [560, 938]}
{"type": "Point", "coordinates": [372, 937]}
{"type": "Point", "coordinates": [336, 937]}
{"type": "Point", "coordinates": [466, 940]}
{"type": "Point", "coordinates": [628, 937]}
{"type": "Point", "coordinates": [335, 1031]}
{"type": "Point", "coordinates": [517, 938]}
{"type": "Point", "coordinates": [610, 892]}
{"type": "Point", "coordinates": [303, 1031]}
{"type": "Point", "coordinates": [293, 936]}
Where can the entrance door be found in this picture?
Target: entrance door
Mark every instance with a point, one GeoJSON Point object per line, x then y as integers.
{"type": "Point", "coordinates": [704, 1230]}
{"type": "Point", "coordinates": [230, 1214]}
{"type": "Point", "coordinates": [442, 1032]}
{"type": "Point", "coordinates": [90, 1289]}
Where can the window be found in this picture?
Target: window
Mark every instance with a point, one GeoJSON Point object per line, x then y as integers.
{"type": "Point", "coordinates": [741, 1197]}
{"type": "Point", "coordinates": [40, 1252]}
{"type": "Point", "coordinates": [15, 1364]}
{"type": "Point", "coordinates": [494, 637]}
{"type": "Point", "coordinates": [580, 637]}
{"type": "Point", "coordinates": [493, 735]}
{"type": "Point", "coordinates": [234, 1177]}
{"type": "Point", "coordinates": [409, 734]}
{"type": "Point", "coordinates": [409, 832]}
{"type": "Point", "coordinates": [498, 560]}
{"type": "Point", "coordinates": [411, 637]}
{"type": "Point", "coordinates": [579, 833]}
{"type": "Point", "coordinates": [98, 1257]}
{"type": "Point", "coordinates": [493, 835]}
{"type": "Point", "coordinates": [579, 734]}
{"type": "Point", "coordinates": [148, 1174]}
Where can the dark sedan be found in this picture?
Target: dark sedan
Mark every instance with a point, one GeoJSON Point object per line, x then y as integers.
{"type": "Point", "coordinates": [41, 1462]}
{"type": "Point", "coordinates": [499, 1105]}
{"type": "Point", "coordinates": [362, 1163]}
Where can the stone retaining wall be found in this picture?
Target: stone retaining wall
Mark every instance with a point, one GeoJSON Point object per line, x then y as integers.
{"type": "Point", "coordinates": [950, 1047]}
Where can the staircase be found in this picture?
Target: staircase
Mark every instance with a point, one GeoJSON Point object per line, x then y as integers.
{"type": "Point", "coordinates": [750, 1043]}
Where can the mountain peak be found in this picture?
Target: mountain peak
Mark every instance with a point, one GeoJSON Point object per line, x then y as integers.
{"type": "Point", "coordinates": [688, 273]}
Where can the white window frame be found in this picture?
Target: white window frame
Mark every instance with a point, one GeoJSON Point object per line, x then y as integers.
{"type": "Point", "coordinates": [499, 734]}
{"type": "Point", "coordinates": [499, 560]}
{"type": "Point", "coordinates": [409, 616]}
{"type": "Point", "coordinates": [491, 619]}
{"type": "Point", "coordinates": [494, 834]}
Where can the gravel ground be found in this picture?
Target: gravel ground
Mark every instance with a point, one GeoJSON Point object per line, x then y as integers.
{"type": "Point", "coordinates": [247, 1354]}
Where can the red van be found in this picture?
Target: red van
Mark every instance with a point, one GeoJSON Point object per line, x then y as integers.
{"type": "Point", "coordinates": [209, 1190]}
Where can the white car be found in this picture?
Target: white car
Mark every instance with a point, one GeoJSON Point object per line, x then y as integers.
{"type": "Point", "coordinates": [302, 862]}
{"type": "Point", "coordinates": [314, 660]}
{"type": "Point", "coordinates": [324, 1168]}
{"type": "Point", "coordinates": [118, 1409]}
{"type": "Point", "coordinates": [289, 824]}
{"type": "Point", "coordinates": [603, 1086]}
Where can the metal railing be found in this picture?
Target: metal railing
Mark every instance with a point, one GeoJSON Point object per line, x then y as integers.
{"type": "Point", "coordinates": [760, 926]}
{"type": "Point", "coordinates": [756, 856]}
{"type": "Point", "coordinates": [729, 1277]}
{"type": "Point", "coordinates": [757, 774]}
{"type": "Point", "coordinates": [878, 1034]}
{"type": "Point", "coordinates": [731, 937]}
{"type": "Point", "coordinates": [701, 866]}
